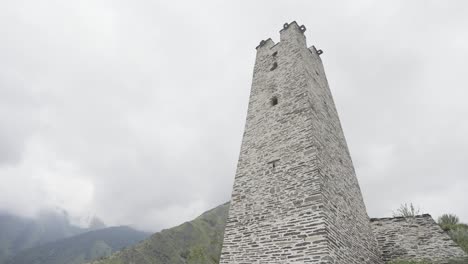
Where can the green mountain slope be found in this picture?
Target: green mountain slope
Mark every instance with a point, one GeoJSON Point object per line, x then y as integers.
{"type": "Point", "coordinates": [81, 248]}
{"type": "Point", "coordinates": [196, 242]}
{"type": "Point", "coordinates": [17, 233]}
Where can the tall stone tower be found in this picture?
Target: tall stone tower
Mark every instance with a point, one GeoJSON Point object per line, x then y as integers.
{"type": "Point", "coordinates": [296, 198]}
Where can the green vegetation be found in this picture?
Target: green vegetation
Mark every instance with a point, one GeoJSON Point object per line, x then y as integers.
{"type": "Point", "coordinates": [406, 210]}
{"type": "Point", "coordinates": [460, 236]}
{"type": "Point", "coordinates": [448, 221]}
{"type": "Point", "coordinates": [81, 248]}
{"type": "Point", "coordinates": [456, 230]}
{"type": "Point", "coordinates": [424, 262]}
{"type": "Point", "coordinates": [17, 233]}
{"type": "Point", "coordinates": [200, 241]}
{"type": "Point", "coordinates": [194, 242]}
{"type": "Point", "coordinates": [409, 262]}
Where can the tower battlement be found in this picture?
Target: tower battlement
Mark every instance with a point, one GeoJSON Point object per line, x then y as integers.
{"type": "Point", "coordinates": [290, 32]}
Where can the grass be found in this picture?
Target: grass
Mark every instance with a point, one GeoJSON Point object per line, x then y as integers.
{"type": "Point", "coordinates": [409, 262]}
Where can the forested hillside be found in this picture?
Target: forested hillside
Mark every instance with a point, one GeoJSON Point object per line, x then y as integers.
{"type": "Point", "coordinates": [194, 242]}
{"type": "Point", "coordinates": [81, 248]}
{"type": "Point", "coordinates": [17, 233]}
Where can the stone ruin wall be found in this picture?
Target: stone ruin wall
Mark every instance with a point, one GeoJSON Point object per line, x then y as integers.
{"type": "Point", "coordinates": [415, 238]}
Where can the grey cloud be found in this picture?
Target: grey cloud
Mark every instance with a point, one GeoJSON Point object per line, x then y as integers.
{"type": "Point", "coordinates": [135, 110]}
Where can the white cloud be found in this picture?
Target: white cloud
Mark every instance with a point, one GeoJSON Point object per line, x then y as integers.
{"type": "Point", "coordinates": [134, 110]}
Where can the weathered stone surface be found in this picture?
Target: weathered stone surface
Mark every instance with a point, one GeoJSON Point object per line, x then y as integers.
{"type": "Point", "coordinates": [296, 198]}
{"type": "Point", "coordinates": [415, 238]}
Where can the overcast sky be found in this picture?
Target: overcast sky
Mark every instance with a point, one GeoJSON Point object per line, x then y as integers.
{"type": "Point", "coordinates": [134, 110]}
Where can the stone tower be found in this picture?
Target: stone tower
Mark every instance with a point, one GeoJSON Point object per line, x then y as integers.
{"type": "Point", "coordinates": [296, 198]}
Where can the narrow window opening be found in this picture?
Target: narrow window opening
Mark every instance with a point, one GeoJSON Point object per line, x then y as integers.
{"type": "Point", "coordinates": [274, 101]}
{"type": "Point", "coordinates": [274, 163]}
{"type": "Point", "coordinates": [274, 66]}
{"type": "Point", "coordinates": [274, 54]}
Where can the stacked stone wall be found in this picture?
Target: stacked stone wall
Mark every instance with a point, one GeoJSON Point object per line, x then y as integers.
{"type": "Point", "coordinates": [296, 198]}
{"type": "Point", "coordinates": [415, 238]}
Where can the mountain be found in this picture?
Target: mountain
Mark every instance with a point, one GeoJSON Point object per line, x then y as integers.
{"type": "Point", "coordinates": [81, 248]}
{"type": "Point", "coordinates": [18, 233]}
{"type": "Point", "coordinates": [196, 242]}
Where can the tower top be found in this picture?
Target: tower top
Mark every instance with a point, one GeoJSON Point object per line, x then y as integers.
{"type": "Point", "coordinates": [288, 30]}
{"type": "Point", "coordinates": [291, 32]}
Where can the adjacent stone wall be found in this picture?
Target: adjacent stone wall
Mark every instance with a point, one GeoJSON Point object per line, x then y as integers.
{"type": "Point", "coordinates": [295, 198]}
{"type": "Point", "coordinates": [415, 238]}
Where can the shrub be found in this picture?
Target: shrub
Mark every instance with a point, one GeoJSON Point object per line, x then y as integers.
{"type": "Point", "coordinates": [461, 261]}
{"type": "Point", "coordinates": [459, 234]}
{"type": "Point", "coordinates": [448, 221]}
{"type": "Point", "coordinates": [406, 210]}
{"type": "Point", "coordinates": [409, 262]}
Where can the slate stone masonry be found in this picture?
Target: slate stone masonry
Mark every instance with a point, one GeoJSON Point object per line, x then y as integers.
{"type": "Point", "coordinates": [415, 238]}
{"type": "Point", "coordinates": [296, 198]}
